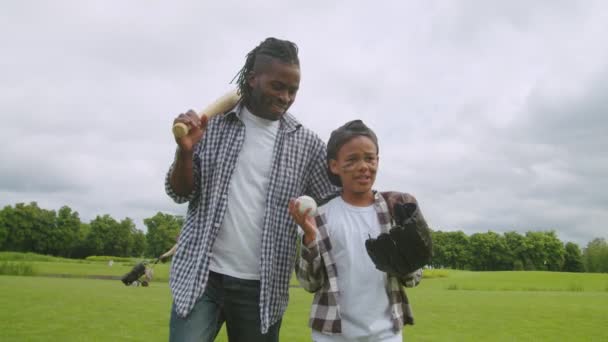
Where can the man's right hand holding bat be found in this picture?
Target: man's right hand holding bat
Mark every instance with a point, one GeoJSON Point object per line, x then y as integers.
{"type": "Point", "coordinates": [182, 177]}
{"type": "Point", "coordinates": [196, 125]}
{"type": "Point", "coordinates": [189, 134]}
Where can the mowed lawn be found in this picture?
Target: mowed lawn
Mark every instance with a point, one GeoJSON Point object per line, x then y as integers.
{"type": "Point", "coordinates": [464, 306]}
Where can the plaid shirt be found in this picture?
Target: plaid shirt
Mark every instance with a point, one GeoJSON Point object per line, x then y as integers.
{"type": "Point", "coordinates": [298, 167]}
{"type": "Point", "coordinates": [318, 273]}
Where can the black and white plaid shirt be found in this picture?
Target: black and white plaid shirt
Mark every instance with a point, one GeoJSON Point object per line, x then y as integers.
{"type": "Point", "coordinates": [298, 168]}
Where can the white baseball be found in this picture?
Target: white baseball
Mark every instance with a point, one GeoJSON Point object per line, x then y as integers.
{"type": "Point", "coordinates": [307, 202]}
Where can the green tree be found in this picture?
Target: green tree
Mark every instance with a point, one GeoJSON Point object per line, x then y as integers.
{"type": "Point", "coordinates": [439, 249]}
{"type": "Point", "coordinates": [518, 249]}
{"type": "Point", "coordinates": [573, 258]}
{"type": "Point", "coordinates": [450, 249]}
{"type": "Point", "coordinates": [163, 230]}
{"type": "Point", "coordinates": [489, 252]}
{"type": "Point", "coordinates": [544, 251]}
{"type": "Point", "coordinates": [124, 237]}
{"type": "Point", "coordinates": [536, 253]}
{"type": "Point", "coordinates": [66, 232]}
{"type": "Point", "coordinates": [29, 228]}
{"type": "Point", "coordinates": [595, 256]}
{"type": "Point", "coordinates": [18, 228]}
{"type": "Point", "coordinates": [139, 243]}
{"type": "Point", "coordinates": [555, 251]}
{"type": "Point", "coordinates": [104, 236]}
{"type": "Point", "coordinates": [4, 226]}
{"type": "Point", "coordinates": [457, 250]}
{"type": "Point", "coordinates": [80, 248]}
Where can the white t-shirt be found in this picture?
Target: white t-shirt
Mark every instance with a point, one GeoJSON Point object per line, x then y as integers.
{"type": "Point", "coordinates": [236, 250]}
{"type": "Point", "coordinates": [363, 300]}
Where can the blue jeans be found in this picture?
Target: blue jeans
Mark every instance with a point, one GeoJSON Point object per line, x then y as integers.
{"type": "Point", "coordinates": [226, 299]}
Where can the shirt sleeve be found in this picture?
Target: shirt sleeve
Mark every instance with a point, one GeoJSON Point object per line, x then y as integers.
{"type": "Point", "coordinates": [309, 268]}
{"type": "Point", "coordinates": [196, 168]}
{"type": "Point", "coordinates": [412, 279]}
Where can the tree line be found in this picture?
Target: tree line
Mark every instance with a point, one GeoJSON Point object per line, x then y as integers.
{"type": "Point", "coordinates": [29, 228]}
{"type": "Point", "coordinates": [534, 250]}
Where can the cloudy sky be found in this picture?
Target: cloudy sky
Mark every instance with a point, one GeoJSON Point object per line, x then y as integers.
{"type": "Point", "coordinates": [494, 114]}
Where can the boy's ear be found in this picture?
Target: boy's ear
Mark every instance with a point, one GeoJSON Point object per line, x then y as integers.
{"type": "Point", "coordinates": [333, 166]}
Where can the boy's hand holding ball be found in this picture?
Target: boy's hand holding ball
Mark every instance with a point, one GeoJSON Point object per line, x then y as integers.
{"type": "Point", "coordinates": [302, 210]}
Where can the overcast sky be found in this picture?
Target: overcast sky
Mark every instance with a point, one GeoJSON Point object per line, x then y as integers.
{"type": "Point", "coordinates": [494, 114]}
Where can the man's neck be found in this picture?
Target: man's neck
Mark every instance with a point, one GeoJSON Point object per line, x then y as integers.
{"type": "Point", "coordinates": [253, 110]}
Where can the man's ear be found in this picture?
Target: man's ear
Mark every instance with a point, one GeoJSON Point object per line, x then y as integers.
{"type": "Point", "coordinates": [333, 166]}
{"type": "Point", "coordinates": [251, 78]}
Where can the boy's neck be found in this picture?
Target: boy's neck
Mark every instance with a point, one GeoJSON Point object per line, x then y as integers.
{"type": "Point", "coordinates": [358, 199]}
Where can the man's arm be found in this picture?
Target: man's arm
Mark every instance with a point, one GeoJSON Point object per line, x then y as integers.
{"type": "Point", "coordinates": [168, 253]}
{"type": "Point", "coordinates": [182, 178]}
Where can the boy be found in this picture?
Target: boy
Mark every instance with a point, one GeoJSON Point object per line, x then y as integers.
{"type": "Point", "coordinates": [353, 300]}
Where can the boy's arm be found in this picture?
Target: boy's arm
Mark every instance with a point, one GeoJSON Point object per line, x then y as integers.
{"type": "Point", "coordinates": [309, 267]}
{"type": "Point", "coordinates": [309, 264]}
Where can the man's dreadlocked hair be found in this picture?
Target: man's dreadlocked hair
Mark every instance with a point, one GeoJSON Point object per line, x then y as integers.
{"type": "Point", "coordinates": [283, 50]}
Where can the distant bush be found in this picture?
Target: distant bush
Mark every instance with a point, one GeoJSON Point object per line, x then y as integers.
{"type": "Point", "coordinates": [452, 287]}
{"type": "Point", "coordinates": [106, 258]}
{"type": "Point", "coordinates": [518, 265]}
{"type": "Point", "coordinates": [16, 268]}
{"type": "Point", "coordinates": [18, 256]}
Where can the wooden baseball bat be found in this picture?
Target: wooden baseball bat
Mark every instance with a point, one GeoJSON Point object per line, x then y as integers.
{"type": "Point", "coordinates": [219, 106]}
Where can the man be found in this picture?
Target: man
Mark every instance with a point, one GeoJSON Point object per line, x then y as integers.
{"type": "Point", "coordinates": [238, 170]}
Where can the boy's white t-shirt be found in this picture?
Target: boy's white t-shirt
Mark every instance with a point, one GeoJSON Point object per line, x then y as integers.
{"type": "Point", "coordinates": [236, 250]}
{"type": "Point", "coordinates": [363, 300]}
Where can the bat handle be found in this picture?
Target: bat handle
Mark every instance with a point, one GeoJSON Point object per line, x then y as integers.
{"type": "Point", "coordinates": [180, 129]}
{"type": "Point", "coordinates": [222, 104]}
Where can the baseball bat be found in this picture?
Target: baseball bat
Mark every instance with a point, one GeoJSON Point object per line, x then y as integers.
{"type": "Point", "coordinates": [219, 106]}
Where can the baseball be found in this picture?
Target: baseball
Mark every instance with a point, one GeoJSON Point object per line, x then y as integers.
{"type": "Point", "coordinates": [307, 202]}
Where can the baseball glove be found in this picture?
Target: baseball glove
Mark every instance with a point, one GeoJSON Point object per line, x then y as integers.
{"type": "Point", "coordinates": [406, 247]}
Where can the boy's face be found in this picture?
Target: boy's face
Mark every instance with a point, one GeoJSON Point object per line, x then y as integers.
{"type": "Point", "coordinates": [356, 165]}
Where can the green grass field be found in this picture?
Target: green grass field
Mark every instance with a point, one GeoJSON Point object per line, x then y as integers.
{"type": "Point", "coordinates": [451, 306]}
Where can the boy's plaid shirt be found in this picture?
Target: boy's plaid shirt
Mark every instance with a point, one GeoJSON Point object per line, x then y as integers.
{"type": "Point", "coordinates": [298, 168]}
{"type": "Point", "coordinates": [318, 273]}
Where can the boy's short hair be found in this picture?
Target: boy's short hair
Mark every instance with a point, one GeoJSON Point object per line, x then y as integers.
{"type": "Point", "coordinates": [341, 136]}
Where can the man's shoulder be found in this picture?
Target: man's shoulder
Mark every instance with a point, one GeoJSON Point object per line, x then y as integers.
{"type": "Point", "coordinates": [300, 129]}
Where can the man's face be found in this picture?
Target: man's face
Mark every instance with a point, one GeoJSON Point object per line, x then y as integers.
{"type": "Point", "coordinates": [273, 89]}
{"type": "Point", "coordinates": [356, 165]}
